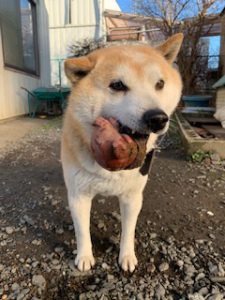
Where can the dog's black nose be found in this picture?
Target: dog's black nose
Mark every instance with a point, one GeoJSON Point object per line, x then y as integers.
{"type": "Point", "coordinates": [155, 119]}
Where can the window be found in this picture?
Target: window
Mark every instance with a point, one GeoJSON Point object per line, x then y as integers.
{"type": "Point", "coordinates": [19, 35]}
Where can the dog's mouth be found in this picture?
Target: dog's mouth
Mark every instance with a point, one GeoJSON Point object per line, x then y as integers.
{"type": "Point", "coordinates": [141, 141]}
{"type": "Point", "coordinates": [137, 136]}
{"type": "Point", "coordinates": [116, 146]}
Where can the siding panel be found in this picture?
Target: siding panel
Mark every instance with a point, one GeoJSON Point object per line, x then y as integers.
{"type": "Point", "coordinates": [13, 101]}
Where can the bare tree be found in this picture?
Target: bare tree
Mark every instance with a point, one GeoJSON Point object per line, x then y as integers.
{"type": "Point", "coordinates": [195, 19]}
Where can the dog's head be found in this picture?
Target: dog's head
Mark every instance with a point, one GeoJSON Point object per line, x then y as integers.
{"type": "Point", "coordinates": [137, 85]}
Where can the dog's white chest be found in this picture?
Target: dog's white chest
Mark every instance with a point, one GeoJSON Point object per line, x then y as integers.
{"type": "Point", "coordinates": [114, 184]}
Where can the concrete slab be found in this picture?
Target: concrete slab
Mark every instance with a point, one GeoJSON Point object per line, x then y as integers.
{"type": "Point", "coordinates": [11, 131]}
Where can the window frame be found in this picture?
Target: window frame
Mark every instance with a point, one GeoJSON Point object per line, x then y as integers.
{"type": "Point", "coordinates": [25, 70]}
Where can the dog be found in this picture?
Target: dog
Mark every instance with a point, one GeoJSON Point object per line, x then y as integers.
{"type": "Point", "coordinates": [120, 96]}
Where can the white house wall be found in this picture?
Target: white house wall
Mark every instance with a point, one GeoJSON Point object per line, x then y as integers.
{"type": "Point", "coordinates": [86, 22]}
{"type": "Point", "coordinates": [13, 100]}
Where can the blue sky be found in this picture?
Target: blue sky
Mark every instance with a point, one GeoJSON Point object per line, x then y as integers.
{"type": "Point", "coordinates": [125, 5]}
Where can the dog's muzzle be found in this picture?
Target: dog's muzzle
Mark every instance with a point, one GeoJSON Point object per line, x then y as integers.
{"type": "Point", "coordinates": [155, 120]}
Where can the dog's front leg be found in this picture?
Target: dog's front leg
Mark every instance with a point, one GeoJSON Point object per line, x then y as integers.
{"type": "Point", "coordinates": [130, 206]}
{"type": "Point", "coordinates": [80, 207]}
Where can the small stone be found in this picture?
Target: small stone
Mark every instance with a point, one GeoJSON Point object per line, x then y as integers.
{"type": "Point", "coordinates": [218, 279]}
{"type": "Point", "coordinates": [36, 242]}
{"type": "Point", "coordinates": [211, 214]}
{"type": "Point", "coordinates": [22, 294]}
{"type": "Point", "coordinates": [180, 263]}
{"type": "Point", "coordinates": [116, 216]}
{"type": "Point", "coordinates": [101, 201]}
{"type": "Point", "coordinates": [160, 291]}
{"type": "Point", "coordinates": [59, 231]}
{"type": "Point", "coordinates": [110, 277]}
{"type": "Point", "coordinates": [15, 287]}
{"type": "Point", "coordinates": [105, 266]}
{"type": "Point", "coordinates": [195, 296]}
{"type": "Point", "coordinates": [151, 268]}
{"type": "Point", "coordinates": [189, 270]}
{"type": "Point", "coordinates": [217, 296]}
{"type": "Point", "coordinates": [1, 267]}
{"type": "Point", "coordinates": [39, 281]}
{"type": "Point", "coordinates": [212, 236]}
{"type": "Point", "coordinates": [55, 261]}
{"type": "Point", "coordinates": [101, 225]}
{"type": "Point", "coordinates": [203, 291]}
{"type": "Point", "coordinates": [163, 267]}
{"type": "Point", "coordinates": [153, 236]}
{"type": "Point", "coordinates": [199, 276]}
{"type": "Point", "coordinates": [9, 230]}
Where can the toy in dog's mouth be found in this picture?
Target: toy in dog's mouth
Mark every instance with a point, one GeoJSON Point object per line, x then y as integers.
{"type": "Point", "coordinates": [117, 147]}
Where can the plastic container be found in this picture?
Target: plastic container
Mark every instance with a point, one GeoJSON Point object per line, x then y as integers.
{"type": "Point", "coordinates": [196, 100]}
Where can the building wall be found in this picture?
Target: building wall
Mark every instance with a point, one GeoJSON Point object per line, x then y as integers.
{"type": "Point", "coordinates": [86, 21]}
{"type": "Point", "coordinates": [13, 100]}
{"type": "Point", "coordinates": [222, 45]}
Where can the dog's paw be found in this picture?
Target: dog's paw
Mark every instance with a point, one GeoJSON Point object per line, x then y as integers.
{"type": "Point", "coordinates": [128, 262]}
{"type": "Point", "coordinates": [84, 263]}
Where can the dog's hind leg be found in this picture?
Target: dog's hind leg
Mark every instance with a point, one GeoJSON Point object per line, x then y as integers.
{"type": "Point", "coordinates": [130, 206]}
{"type": "Point", "coordinates": [80, 207]}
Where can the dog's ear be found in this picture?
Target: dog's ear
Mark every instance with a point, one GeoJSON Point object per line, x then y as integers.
{"type": "Point", "coordinates": [77, 68]}
{"type": "Point", "coordinates": [170, 48]}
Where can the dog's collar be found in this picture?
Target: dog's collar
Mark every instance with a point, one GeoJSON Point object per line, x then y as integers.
{"type": "Point", "coordinates": [146, 167]}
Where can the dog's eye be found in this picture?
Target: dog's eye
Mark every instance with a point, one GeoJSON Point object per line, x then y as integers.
{"type": "Point", "coordinates": [160, 84]}
{"type": "Point", "coordinates": [118, 86]}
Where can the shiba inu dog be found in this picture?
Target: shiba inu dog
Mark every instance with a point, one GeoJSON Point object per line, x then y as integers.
{"type": "Point", "coordinates": [121, 101]}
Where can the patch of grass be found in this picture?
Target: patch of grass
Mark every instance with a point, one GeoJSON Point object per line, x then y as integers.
{"type": "Point", "coordinates": [199, 156]}
{"type": "Point", "coordinates": [53, 123]}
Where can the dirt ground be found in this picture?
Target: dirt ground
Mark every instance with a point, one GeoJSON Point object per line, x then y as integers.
{"type": "Point", "coordinates": [13, 130]}
{"type": "Point", "coordinates": [182, 199]}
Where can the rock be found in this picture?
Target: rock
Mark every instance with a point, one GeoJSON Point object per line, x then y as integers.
{"type": "Point", "coordinates": [59, 231]}
{"type": "Point", "coordinates": [217, 296]}
{"type": "Point", "coordinates": [195, 296]}
{"type": "Point", "coordinates": [212, 236]}
{"type": "Point", "coordinates": [203, 291]}
{"type": "Point", "coordinates": [36, 242]}
{"type": "Point", "coordinates": [9, 230]}
{"type": "Point", "coordinates": [39, 281]}
{"type": "Point", "coordinates": [199, 276]}
{"type": "Point", "coordinates": [159, 291]}
{"type": "Point", "coordinates": [101, 201]}
{"type": "Point", "coordinates": [189, 270]}
{"type": "Point", "coordinates": [110, 277]}
{"type": "Point", "coordinates": [151, 267]}
{"type": "Point", "coordinates": [152, 236]}
{"type": "Point", "coordinates": [22, 294]}
{"type": "Point", "coordinates": [116, 216]}
{"type": "Point", "coordinates": [180, 263]}
{"type": "Point", "coordinates": [218, 279]}
{"type": "Point", "coordinates": [1, 267]}
{"type": "Point", "coordinates": [15, 287]}
{"type": "Point", "coordinates": [210, 213]}
{"type": "Point", "coordinates": [55, 261]}
{"type": "Point", "coordinates": [105, 266]}
{"type": "Point", "coordinates": [163, 267]}
{"type": "Point", "coordinates": [28, 220]}
{"type": "Point", "coordinates": [101, 225]}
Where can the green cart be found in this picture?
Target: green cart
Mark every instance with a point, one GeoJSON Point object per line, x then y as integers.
{"type": "Point", "coordinates": [47, 95]}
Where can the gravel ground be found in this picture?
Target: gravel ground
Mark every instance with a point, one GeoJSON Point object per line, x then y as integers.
{"type": "Point", "coordinates": [179, 240]}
